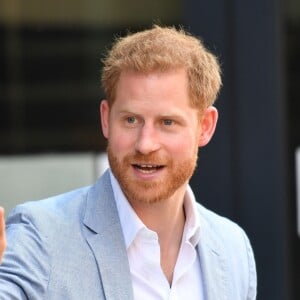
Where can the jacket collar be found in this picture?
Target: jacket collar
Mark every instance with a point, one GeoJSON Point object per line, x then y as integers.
{"type": "Point", "coordinates": [105, 238]}
{"type": "Point", "coordinates": [213, 264]}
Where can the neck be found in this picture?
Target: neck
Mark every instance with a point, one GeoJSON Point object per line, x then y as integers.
{"type": "Point", "coordinates": [165, 217]}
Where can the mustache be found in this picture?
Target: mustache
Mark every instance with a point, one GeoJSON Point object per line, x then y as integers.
{"type": "Point", "coordinates": [140, 158]}
{"type": "Point", "coordinates": [151, 158]}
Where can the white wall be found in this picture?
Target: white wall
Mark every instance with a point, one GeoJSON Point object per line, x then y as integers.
{"type": "Point", "coordinates": [24, 178]}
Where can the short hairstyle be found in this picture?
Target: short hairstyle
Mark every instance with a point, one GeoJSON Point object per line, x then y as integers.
{"type": "Point", "coordinates": [162, 49]}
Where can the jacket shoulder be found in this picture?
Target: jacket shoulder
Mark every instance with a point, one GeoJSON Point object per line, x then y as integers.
{"type": "Point", "coordinates": [231, 244]}
{"type": "Point", "coordinates": [222, 227]}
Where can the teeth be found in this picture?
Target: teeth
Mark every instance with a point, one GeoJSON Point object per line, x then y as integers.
{"type": "Point", "coordinates": [148, 169]}
{"type": "Point", "coordinates": [145, 166]}
{"type": "Point", "coordinates": [148, 166]}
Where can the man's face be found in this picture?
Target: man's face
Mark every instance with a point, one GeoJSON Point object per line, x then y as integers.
{"type": "Point", "coordinates": [153, 134]}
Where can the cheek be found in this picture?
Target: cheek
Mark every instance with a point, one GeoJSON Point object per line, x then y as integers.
{"type": "Point", "coordinates": [184, 147]}
{"type": "Point", "coordinates": [120, 142]}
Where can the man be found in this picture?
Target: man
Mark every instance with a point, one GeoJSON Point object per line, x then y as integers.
{"type": "Point", "coordinates": [138, 233]}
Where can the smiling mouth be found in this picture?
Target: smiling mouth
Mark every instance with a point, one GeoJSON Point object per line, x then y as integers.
{"type": "Point", "coordinates": [147, 168]}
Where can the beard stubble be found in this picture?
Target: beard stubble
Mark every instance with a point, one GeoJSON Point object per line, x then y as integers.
{"type": "Point", "coordinates": [151, 191]}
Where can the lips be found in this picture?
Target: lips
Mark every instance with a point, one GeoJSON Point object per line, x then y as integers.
{"type": "Point", "coordinates": [147, 168]}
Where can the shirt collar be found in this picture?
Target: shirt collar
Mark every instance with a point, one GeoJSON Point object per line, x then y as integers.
{"type": "Point", "coordinates": [192, 224]}
{"type": "Point", "coordinates": [132, 224]}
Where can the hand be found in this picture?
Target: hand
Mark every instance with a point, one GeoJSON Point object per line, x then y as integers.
{"type": "Point", "coordinates": [2, 234]}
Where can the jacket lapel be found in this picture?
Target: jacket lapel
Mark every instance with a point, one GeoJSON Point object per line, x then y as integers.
{"type": "Point", "coordinates": [213, 265]}
{"type": "Point", "coordinates": [105, 237]}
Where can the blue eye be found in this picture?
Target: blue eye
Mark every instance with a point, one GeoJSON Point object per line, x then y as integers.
{"type": "Point", "coordinates": [131, 120]}
{"type": "Point", "coordinates": [168, 122]}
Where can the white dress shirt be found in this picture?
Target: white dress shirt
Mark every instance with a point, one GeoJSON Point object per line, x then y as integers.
{"type": "Point", "coordinates": [148, 279]}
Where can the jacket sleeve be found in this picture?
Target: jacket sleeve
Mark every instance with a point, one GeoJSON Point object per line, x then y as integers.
{"type": "Point", "coordinates": [25, 267]}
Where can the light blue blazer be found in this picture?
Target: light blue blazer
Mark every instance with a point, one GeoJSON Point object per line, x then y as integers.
{"type": "Point", "coordinates": [71, 247]}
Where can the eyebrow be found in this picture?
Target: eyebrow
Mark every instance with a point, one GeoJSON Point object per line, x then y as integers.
{"type": "Point", "coordinates": [168, 115]}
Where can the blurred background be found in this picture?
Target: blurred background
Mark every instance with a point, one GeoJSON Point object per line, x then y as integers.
{"type": "Point", "coordinates": [50, 138]}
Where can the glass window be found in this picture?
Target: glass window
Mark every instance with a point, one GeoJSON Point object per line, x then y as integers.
{"type": "Point", "coordinates": [50, 53]}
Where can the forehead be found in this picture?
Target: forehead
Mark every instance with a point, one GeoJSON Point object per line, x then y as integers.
{"type": "Point", "coordinates": [157, 84]}
{"type": "Point", "coordinates": [153, 94]}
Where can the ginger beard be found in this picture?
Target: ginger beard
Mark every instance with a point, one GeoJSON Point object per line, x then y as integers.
{"type": "Point", "coordinates": [151, 191]}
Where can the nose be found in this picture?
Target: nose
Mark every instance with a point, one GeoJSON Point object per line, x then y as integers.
{"type": "Point", "coordinates": [147, 139]}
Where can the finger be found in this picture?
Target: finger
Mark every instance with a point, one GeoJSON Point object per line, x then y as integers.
{"type": "Point", "coordinates": [2, 233]}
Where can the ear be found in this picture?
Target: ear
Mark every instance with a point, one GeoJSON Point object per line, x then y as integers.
{"type": "Point", "coordinates": [208, 123]}
{"type": "Point", "coordinates": [104, 113]}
